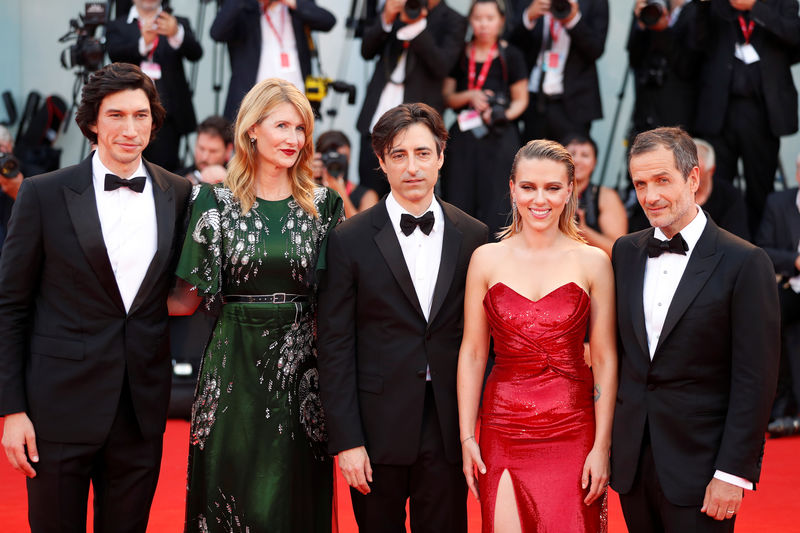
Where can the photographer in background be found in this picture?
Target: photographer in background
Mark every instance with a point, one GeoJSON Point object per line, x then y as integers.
{"type": "Point", "coordinates": [212, 151]}
{"type": "Point", "coordinates": [747, 98]}
{"type": "Point", "coordinates": [10, 180]}
{"type": "Point", "coordinates": [562, 40]}
{"type": "Point", "coordinates": [488, 90]}
{"type": "Point", "coordinates": [664, 66]}
{"type": "Point", "coordinates": [158, 42]}
{"type": "Point", "coordinates": [267, 39]}
{"type": "Point", "coordinates": [329, 168]}
{"type": "Point", "coordinates": [417, 42]}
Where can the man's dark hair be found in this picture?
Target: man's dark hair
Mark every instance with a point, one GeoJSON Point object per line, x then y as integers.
{"type": "Point", "coordinates": [399, 118]}
{"type": "Point", "coordinates": [112, 79]}
{"type": "Point", "coordinates": [219, 126]}
{"type": "Point", "coordinates": [676, 140]}
{"type": "Point", "coordinates": [332, 140]}
{"type": "Point", "coordinates": [580, 138]}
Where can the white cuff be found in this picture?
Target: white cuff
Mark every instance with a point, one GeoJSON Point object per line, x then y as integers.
{"type": "Point", "coordinates": [734, 480]}
{"type": "Point", "coordinates": [529, 24]}
{"type": "Point", "coordinates": [177, 40]}
{"type": "Point", "coordinates": [571, 24]}
{"type": "Point", "coordinates": [410, 31]}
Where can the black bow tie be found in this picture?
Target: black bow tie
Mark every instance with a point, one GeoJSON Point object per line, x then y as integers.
{"type": "Point", "coordinates": [408, 223]}
{"type": "Point", "coordinates": [114, 182]}
{"type": "Point", "coordinates": [676, 245]}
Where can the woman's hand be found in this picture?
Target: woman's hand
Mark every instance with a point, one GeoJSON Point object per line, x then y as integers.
{"type": "Point", "coordinates": [471, 456]}
{"type": "Point", "coordinates": [596, 473]}
{"type": "Point", "coordinates": [478, 100]}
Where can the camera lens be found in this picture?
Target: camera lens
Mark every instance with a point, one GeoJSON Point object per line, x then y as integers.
{"type": "Point", "coordinates": [652, 12]}
{"type": "Point", "coordinates": [560, 9]}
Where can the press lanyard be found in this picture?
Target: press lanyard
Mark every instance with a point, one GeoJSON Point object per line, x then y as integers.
{"type": "Point", "coordinates": [155, 43]}
{"type": "Point", "coordinates": [747, 30]}
{"type": "Point", "coordinates": [471, 83]}
{"type": "Point", "coordinates": [278, 35]}
{"type": "Point", "coordinates": [555, 30]}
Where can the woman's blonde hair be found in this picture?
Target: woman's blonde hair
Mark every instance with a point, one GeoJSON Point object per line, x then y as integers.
{"type": "Point", "coordinates": [553, 151]}
{"type": "Point", "coordinates": [257, 104]}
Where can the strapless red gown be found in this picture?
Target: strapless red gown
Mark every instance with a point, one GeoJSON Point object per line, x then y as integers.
{"type": "Point", "coordinates": [537, 417]}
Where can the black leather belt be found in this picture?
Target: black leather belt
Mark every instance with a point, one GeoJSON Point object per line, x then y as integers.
{"type": "Point", "coordinates": [277, 298]}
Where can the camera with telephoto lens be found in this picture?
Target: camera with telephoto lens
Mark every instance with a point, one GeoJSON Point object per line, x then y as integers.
{"type": "Point", "coordinates": [560, 9]}
{"type": "Point", "coordinates": [335, 163]}
{"type": "Point", "coordinates": [413, 8]}
{"type": "Point", "coordinates": [88, 51]}
{"type": "Point", "coordinates": [9, 165]}
{"type": "Point", "coordinates": [652, 12]}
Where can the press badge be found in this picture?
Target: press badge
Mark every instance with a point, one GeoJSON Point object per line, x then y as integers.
{"type": "Point", "coordinates": [469, 119]}
{"type": "Point", "coordinates": [286, 63]}
{"type": "Point", "coordinates": [551, 60]}
{"type": "Point", "coordinates": [746, 53]}
{"type": "Point", "coordinates": [151, 69]}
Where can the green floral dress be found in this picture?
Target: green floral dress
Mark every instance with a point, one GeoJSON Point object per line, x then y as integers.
{"type": "Point", "coordinates": [257, 459]}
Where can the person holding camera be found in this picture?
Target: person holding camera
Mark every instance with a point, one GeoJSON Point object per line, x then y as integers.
{"type": "Point", "coordinates": [329, 168]}
{"type": "Point", "coordinates": [158, 42]}
{"type": "Point", "coordinates": [417, 42]}
{"type": "Point", "coordinates": [10, 181]}
{"type": "Point", "coordinates": [212, 151]}
{"type": "Point", "coordinates": [487, 89]}
{"type": "Point", "coordinates": [664, 66]}
{"type": "Point", "coordinates": [267, 39]}
{"type": "Point", "coordinates": [562, 40]}
{"type": "Point", "coordinates": [747, 98]}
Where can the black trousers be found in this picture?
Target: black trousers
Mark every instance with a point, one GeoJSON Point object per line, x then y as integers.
{"type": "Point", "coordinates": [547, 118]}
{"type": "Point", "coordinates": [746, 134]}
{"type": "Point", "coordinates": [787, 399]}
{"type": "Point", "coordinates": [123, 472]}
{"type": "Point", "coordinates": [647, 510]}
{"type": "Point", "coordinates": [436, 489]}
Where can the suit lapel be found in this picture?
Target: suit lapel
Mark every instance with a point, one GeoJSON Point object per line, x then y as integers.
{"type": "Point", "coordinates": [82, 207]}
{"type": "Point", "coordinates": [163, 196]}
{"type": "Point", "coordinates": [701, 265]}
{"type": "Point", "coordinates": [389, 246]}
{"type": "Point", "coordinates": [636, 290]}
{"type": "Point", "coordinates": [451, 245]}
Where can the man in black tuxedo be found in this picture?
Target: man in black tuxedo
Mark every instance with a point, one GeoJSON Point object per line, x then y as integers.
{"type": "Point", "coordinates": [561, 54]}
{"type": "Point", "coordinates": [159, 42]}
{"type": "Point", "coordinates": [415, 54]}
{"type": "Point", "coordinates": [266, 39]}
{"type": "Point", "coordinates": [85, 368]}
{"type": "Point", "coordinates": [391, 317]}
{"type": "Point", "coordinates": [698, 327]}
{"type": "Point", "coordinates": [747, 98]}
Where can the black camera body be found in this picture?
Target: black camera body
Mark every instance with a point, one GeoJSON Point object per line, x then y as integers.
{"type": "Point", "coordinates": [560, 9]}
{"type": "Point", "coordinates": [9, 165]}
{"type": "Point", "coordinates": [335, 163]}
{"type": "Point", "coordinates": [413, 8]}
{"type": "Point", "coordinates": [498, 102]}
{"type": "Point", "coordinates": [652, 12]}
{"type": "Point", "coordinates": [88, 51]}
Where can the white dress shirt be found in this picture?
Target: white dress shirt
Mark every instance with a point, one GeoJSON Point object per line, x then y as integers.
{"type": "Point", "coordinates": [661, 278]}
{"type": "Point", "coordinates": [269, 61]}
{"type": "Point", "coordinates": [128, 221]}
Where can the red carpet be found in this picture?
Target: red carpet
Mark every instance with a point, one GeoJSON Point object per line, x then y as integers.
{"type": "Point", "coordinates": [771, 509]}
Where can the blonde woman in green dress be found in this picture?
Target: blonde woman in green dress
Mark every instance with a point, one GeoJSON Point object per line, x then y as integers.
{"type": "Point", "coordinates": [257, 458]}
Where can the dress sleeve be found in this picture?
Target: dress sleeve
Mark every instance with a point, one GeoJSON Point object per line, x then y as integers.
{"type": "Point", "coordinates": [331, 212]}
{"type": "Point", "coordinates": [200, 263]}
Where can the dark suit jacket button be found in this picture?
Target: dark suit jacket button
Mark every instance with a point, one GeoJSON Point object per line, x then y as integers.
{"type": "Point", "coordinates": [651, 387]}
{"type": "Point", "coordinates": [421, 374]}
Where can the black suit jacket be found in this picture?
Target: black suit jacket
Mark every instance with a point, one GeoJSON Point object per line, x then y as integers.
{"type": "Point", "coordinates": [779, 232]}
{"type": "Point", "coordinates": [706, 395]}
{"type": "Point", "coordinates": [776, 37]}
{"type": "Point", "coordinates": [588, 40]}
{"type": "Point", "coordinates": [374, 341]}
{"type": "Point", "coordinates": [122, 45]}
{"type": "Point", "coordinates": [238, 23]}
{"type": "Point", "coordinates": [431, 56]}
{"type": "Point", "coordinates": [67, 340]}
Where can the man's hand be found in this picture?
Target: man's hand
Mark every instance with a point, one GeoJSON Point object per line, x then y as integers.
{"type": "Point", "coordinates": [743, 5]}
{"type": "Point", "coordinates": [213, 174]}
{"type": "Point", "coordinates": [166, 24]}
{"type": "Point", "coordinates": [573, 12]}
{"type": "Point", "coordinates": [355, 467]}
{"type": "Point", "coordinates": [18, 434]}
{"type": "Point", "coordinates": [391, 10]}
{"type": "Point", "coordinates": [722, 500]}
{"type": "Point", "coordinates": [537, 9]}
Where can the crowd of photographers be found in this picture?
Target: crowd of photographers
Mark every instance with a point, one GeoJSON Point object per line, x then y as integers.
{"type": "Point", "coordinates": [718, 68]}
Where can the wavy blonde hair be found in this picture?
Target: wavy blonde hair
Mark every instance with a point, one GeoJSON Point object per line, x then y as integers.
{"type": "Point", "coordinates": [257, 105]}
{"type": "Point", "coordinates": [553, 151]}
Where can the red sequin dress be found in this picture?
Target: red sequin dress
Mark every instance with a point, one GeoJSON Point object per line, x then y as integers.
{"type": "Point", "coordinates": [537, 417]}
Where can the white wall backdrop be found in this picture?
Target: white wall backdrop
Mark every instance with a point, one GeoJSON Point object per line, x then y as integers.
{"type": "Point", "coordinates": [30, 52]}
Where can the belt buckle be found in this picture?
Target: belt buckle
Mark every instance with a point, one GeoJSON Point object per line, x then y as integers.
{"type": "Point", "coordinates": [279, 298]}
